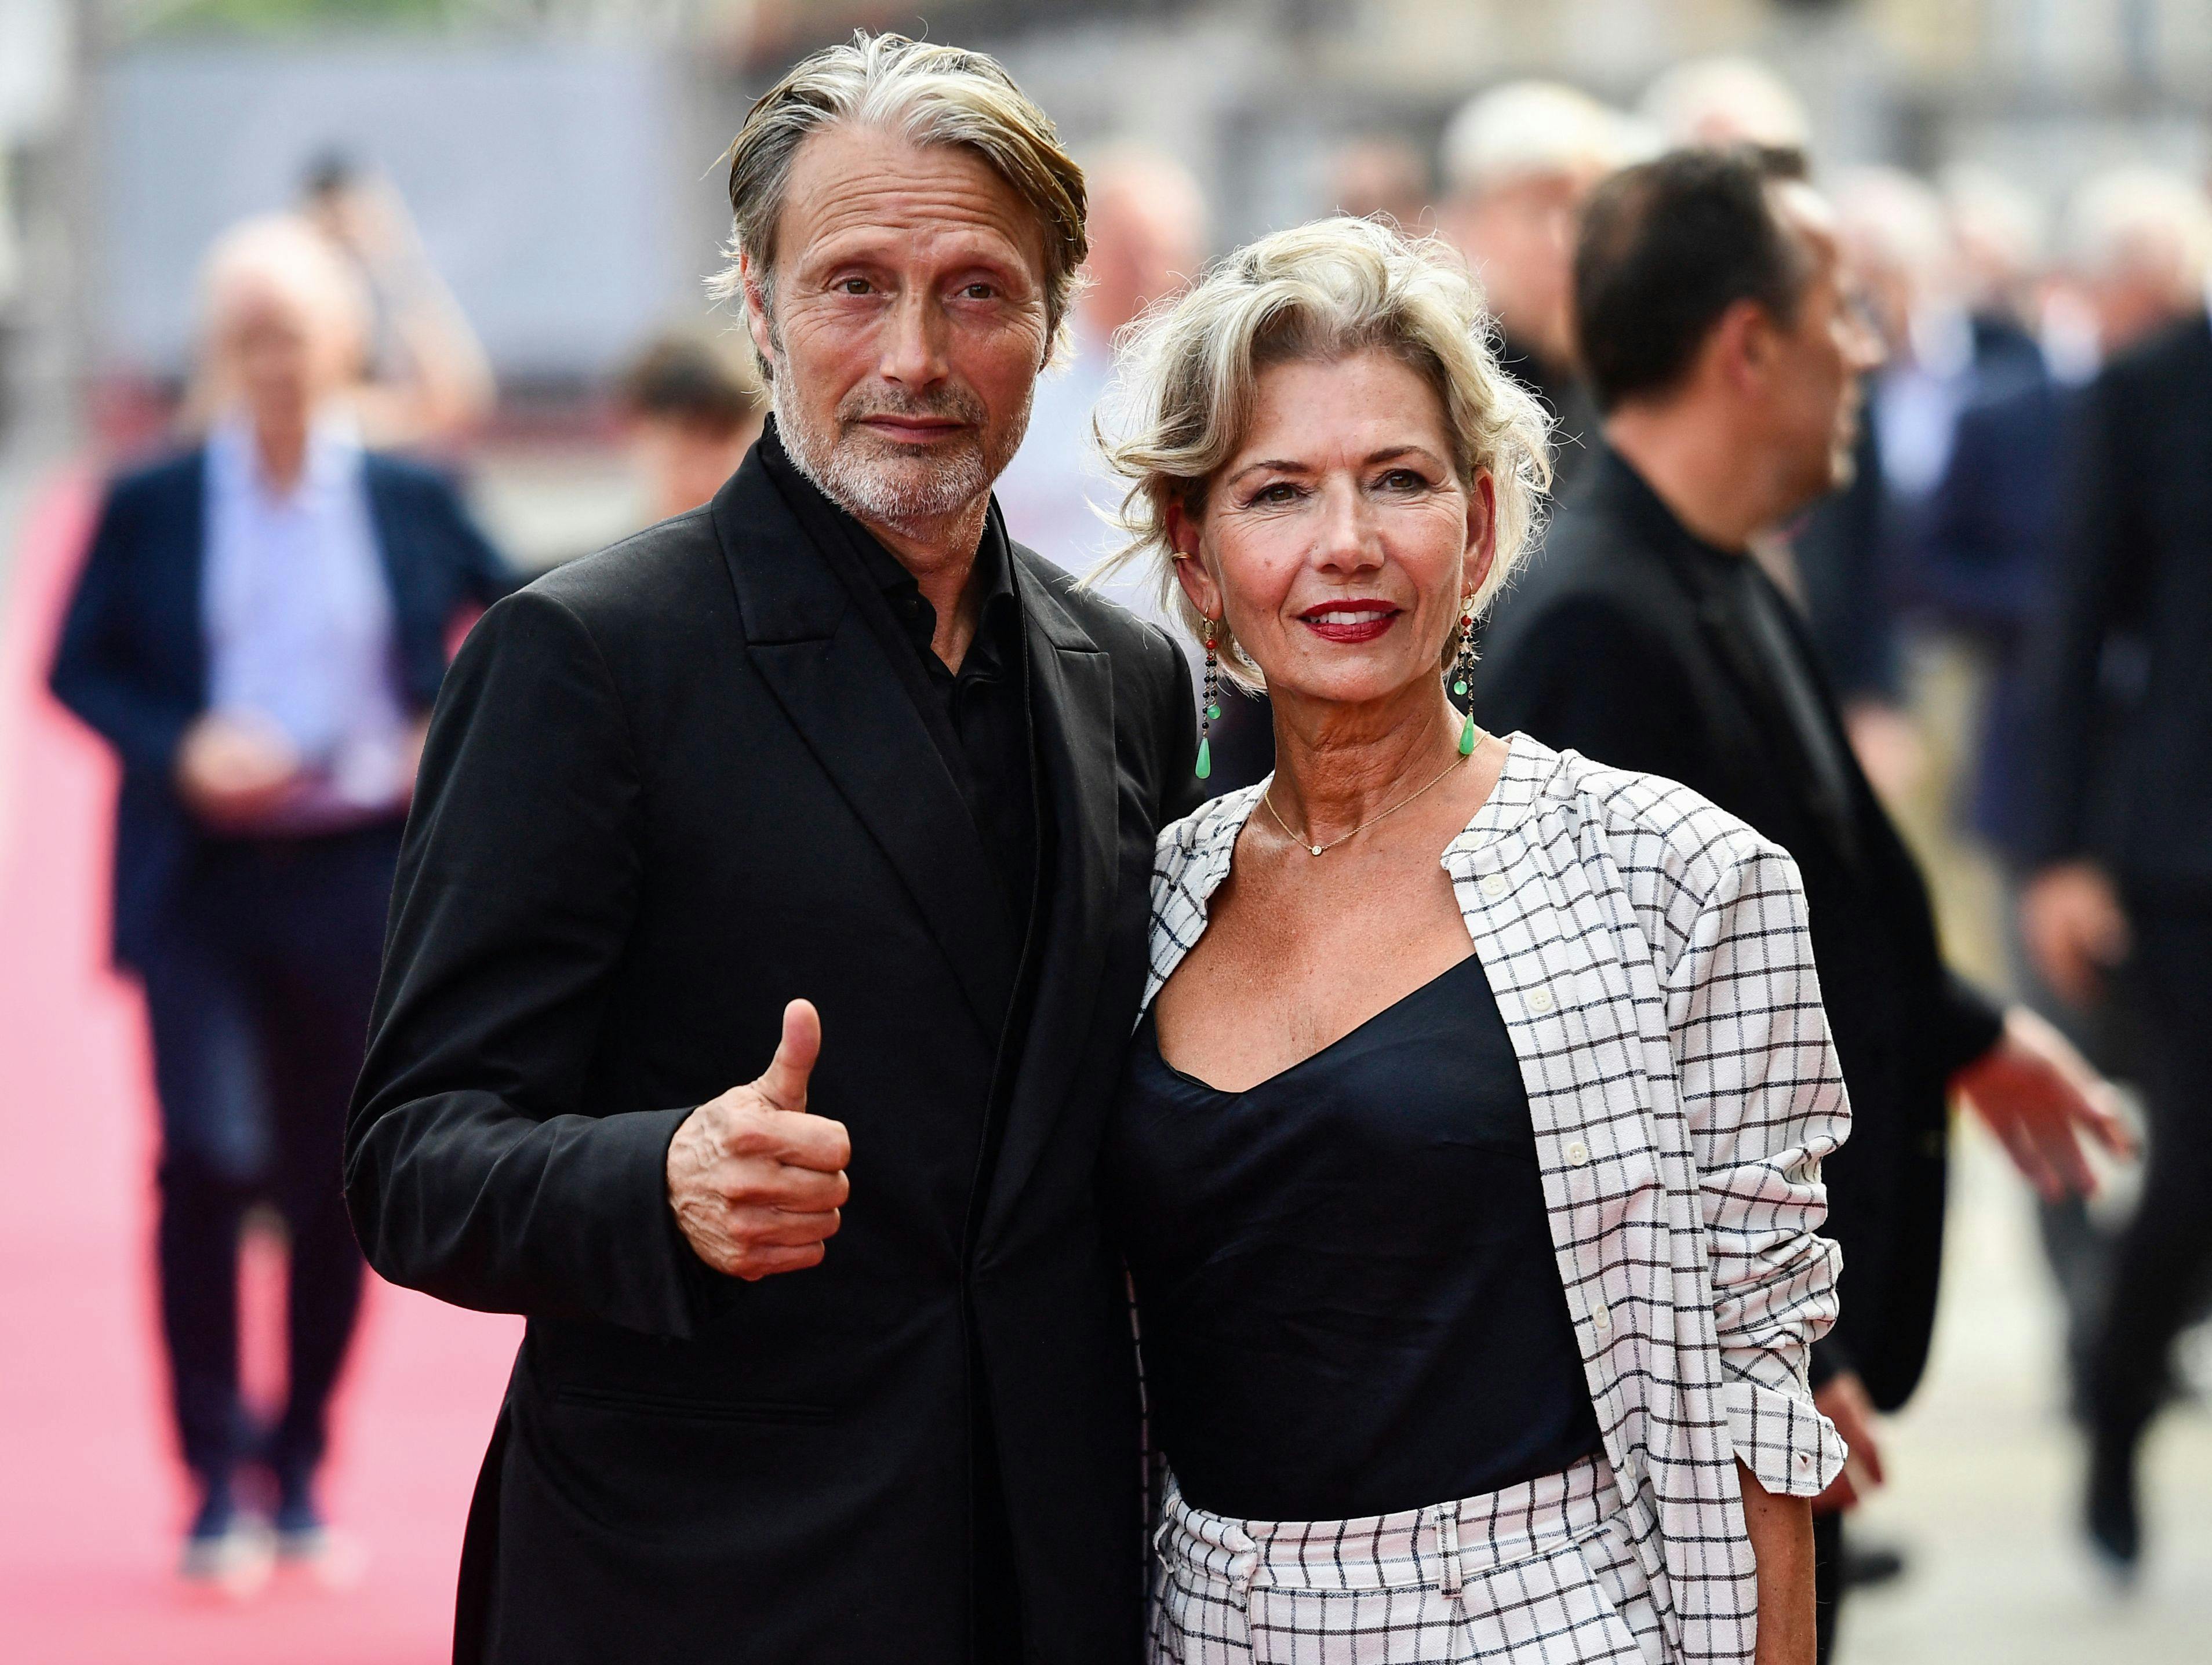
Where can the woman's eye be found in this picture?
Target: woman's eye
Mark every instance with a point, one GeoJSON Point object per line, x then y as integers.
{"type": "Point", "coordinates": [1403, 479]}
{"type": "Point", "coordinates": [1281, 492]}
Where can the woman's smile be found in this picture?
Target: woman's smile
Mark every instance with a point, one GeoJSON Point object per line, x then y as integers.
{"type": "Point", "coordinates": [1356, 621]}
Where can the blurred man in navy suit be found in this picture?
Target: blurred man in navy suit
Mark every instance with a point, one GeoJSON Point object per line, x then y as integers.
{"type": "Point", "coordinates": [260, 632]}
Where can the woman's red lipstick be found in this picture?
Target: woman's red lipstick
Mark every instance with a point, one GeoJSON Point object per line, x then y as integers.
{"type": "Point", "coordinates": [1356, 619]}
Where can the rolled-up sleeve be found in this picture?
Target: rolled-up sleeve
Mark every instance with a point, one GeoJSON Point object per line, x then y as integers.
{"type": "Point", "coordinates": [1765, 1104]}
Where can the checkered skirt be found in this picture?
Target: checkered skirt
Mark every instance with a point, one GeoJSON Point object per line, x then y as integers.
{"type": "Point", "coordinates": [1543, 1573]}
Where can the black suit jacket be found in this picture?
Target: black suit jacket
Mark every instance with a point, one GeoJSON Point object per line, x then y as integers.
{"type": "Point", "coordinates": [1619, 643]}
{"type": "Point", "coordinates": [669, 789]}
{"type": "Point", "coordinates": [132, 660]}
{"type": "Point", "coordinates": [2128, 628]}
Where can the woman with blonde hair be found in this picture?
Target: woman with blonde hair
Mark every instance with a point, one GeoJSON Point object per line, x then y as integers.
{"type": "Point", "coordinates": [1468, 1160]}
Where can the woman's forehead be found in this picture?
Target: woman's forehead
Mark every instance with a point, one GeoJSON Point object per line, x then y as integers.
{"type": "Point", "coordinates": [1348, 408]}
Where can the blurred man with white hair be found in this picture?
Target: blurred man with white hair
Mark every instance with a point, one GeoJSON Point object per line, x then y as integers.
{"type": "Point", "coordinates": [2138, 242]}
{"type": "Point", "coordinates": [2122, 863]}
{"type": "Point", "coordinates": [258, 633]}
{"type": "Point", "coordinates": [1715, 103]}
{"type": "Point", "coordinates": [1147, 229]}
{"type": "Point", "coordinates": [1518, 160]}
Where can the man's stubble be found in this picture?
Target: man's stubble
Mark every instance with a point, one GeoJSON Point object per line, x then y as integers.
{"type": "Point", "coordinates": [909, 493]}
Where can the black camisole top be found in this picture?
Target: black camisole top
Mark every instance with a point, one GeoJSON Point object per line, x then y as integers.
{"type": "Point", "coordinates": [1345, 1274]}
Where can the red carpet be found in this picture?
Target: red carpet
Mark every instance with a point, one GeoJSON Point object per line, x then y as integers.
{"type": "Point", "coordinates": [91, 1497]}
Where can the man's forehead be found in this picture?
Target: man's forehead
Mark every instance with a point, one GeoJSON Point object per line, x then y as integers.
{"type": "Point", "coordinates": [852, 185]}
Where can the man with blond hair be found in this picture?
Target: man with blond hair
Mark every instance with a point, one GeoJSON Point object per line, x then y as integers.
{"type": "Point", "coordinates": [258, 635]}
{"type": "Point", "coordinates": [762, 957]}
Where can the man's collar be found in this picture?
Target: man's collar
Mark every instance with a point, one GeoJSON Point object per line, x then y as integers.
{"type": "Point", "coordinates": [334, 451]}
{"type": "Point", "coordinates": [1615, 482]}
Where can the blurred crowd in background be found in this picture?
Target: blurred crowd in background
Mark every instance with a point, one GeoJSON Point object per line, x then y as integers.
{"type": "Point", "coordinates": [517, 199]}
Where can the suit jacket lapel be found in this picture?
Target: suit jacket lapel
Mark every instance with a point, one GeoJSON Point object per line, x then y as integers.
{"type": "Point", "coordinates": [828, 669]}
{"type": "Point", "coordinates": [1071, 683]}
{"type": "Point", "coordinates": [181, 606]}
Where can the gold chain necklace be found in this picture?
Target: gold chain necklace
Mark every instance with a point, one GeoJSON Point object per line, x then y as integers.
{"type": "Point", "coordinates": [1268, 798]}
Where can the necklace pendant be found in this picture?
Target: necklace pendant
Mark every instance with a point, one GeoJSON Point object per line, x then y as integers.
{"type": "Point", "coordinates": [1313, 849]}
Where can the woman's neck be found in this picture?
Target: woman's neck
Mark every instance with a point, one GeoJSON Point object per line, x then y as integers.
{"type": "Point", "coordinates": [1339, 766]}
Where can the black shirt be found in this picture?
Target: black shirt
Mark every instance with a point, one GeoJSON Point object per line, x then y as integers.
{"type": "Point", "coordinates": [1759, 615]}
{"type": "Point", "coordinates": [1346, 1277]}
{"type": "Point", "coordinates": [979, 717]}
{"type": "Point", "coordinates": [979, 714]}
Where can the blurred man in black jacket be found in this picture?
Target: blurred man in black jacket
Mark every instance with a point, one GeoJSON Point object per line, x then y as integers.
{"type": "Point", "coordinates": [1720, 343]}
{"type": "Point", "coordinates": [2120, 842]}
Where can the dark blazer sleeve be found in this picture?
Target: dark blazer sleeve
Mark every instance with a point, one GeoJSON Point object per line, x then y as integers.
{"type": "Point", "coordinates": [477, 1167]}
{"type": "Point", "coordinates": [2103, 507]}
{"type": "Point", "coordinates": [1966, 1024]}
{"type": "Point", "coordinates": [1581, 672]}
{"type": "Point", "coordinates": [98, 670]}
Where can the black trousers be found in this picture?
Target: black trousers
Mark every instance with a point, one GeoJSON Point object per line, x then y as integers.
{"type": "Point", "coordinates": [257, 996]}
{"type": "Point", "coordinates": [2165, 1256]}
{"type": "Point", "coordinates": [1827, 1582]}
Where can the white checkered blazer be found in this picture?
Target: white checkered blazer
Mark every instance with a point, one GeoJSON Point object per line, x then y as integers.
{"type": "Point", "coordinates": [1649, 955]}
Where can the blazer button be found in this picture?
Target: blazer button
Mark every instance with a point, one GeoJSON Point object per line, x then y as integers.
{"type": "Point", "coordinates": [1577, 1153]}
{"type": "Point", "coordinates": [1494, 885]}
{"type": "Point", "coordinates": [1539, 1000]}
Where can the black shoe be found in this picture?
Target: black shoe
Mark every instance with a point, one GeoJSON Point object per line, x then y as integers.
{"type": "Point", "coordinates": [1862, 1569]}
{"type": "Point", "coordinates": [301, 1528]}
{"type": "Point", "coordinates": [2114, 1523]}
{"type": "Point", "coordinates": [225, 1550]}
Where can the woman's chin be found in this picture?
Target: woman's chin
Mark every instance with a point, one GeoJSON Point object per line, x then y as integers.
{"type": "Point", "coordinates": [1346, 684]}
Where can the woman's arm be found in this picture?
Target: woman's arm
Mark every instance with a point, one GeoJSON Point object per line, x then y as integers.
{"type": "Point", "coordinates": [1781, 1530]}
{"type": "Point", "coordinates": [1765, 1101]}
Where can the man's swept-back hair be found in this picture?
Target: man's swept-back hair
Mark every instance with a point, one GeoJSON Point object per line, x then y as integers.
{"type": "Point", "coordinates": [1665, 248]}
{"type": "Point", "coordinates": [933, 95]}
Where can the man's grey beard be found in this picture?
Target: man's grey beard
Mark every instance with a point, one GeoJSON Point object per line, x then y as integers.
{"type": "Point", "coordinates": [844, 472]}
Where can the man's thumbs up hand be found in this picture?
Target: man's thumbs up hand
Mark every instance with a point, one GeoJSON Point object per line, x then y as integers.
{"type": "Point", "coordinates": [756, 1181]}
{"type": "Point", "coordinates": [783, 1084]}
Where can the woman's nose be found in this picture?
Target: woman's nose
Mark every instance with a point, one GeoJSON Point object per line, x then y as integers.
{"type": "Point", "coordinates": [1350, 541]}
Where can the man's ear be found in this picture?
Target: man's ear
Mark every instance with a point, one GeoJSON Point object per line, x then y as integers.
{"type": "Point", "coordinates": [1190, 565]}
{"type": "Point", "coordinates": [1745, 342]}
{"type": "Point", "coordinates": [757, 325]}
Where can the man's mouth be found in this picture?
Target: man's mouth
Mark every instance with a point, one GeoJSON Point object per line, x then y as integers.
{"type": "Point", "coordinates": [911, 430]}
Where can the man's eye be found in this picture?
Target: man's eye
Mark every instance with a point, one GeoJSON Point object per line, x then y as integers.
{"type": "Point", "coordinates": [979, 292]}
{"type": "Point", "coordinates": [854, 286]}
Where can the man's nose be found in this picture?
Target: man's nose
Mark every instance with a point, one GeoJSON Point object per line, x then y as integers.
{"type": "Point", "coordinates": [914, 341]}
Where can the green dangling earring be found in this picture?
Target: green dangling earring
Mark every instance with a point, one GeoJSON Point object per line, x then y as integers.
{"type": "Point", "coordinates": [1462, 668]}
{"type": "Point", "coordinates": [1209, 633]}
